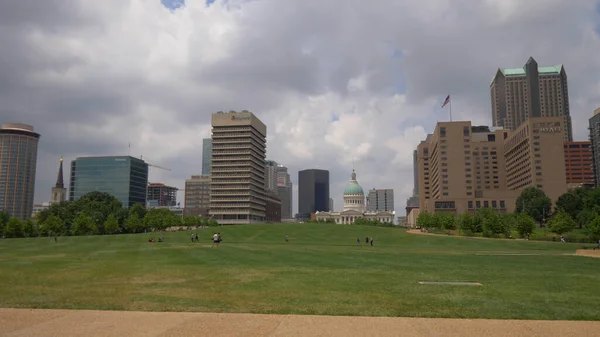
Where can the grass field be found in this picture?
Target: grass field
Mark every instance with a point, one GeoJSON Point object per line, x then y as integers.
{"type": "Point", "coordinates": [320, 271]}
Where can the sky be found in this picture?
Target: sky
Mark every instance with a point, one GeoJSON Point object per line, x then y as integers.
{"type": "Point", "coordinates": [332, 80]}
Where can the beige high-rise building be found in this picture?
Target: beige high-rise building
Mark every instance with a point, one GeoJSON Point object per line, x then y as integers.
{"type": "Point", "coordinates": [238, 168]}
{"type": "Point", "coordinates": [531, 91]}
{"type": "Point", "coordinates": [464, 167]}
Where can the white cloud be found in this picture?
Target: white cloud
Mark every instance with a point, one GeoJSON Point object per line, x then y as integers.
{"type": "Point", "coordinates": [96, 75]}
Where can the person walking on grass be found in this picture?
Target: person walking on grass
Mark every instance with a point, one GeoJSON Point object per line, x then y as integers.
{"type": "Point", "coordinates": [197, 237]}
{"type": "Point", "coordinates": [215, 240]}
{"type": "Point", "coordinates": [358, 241]}
{"type": "Point", "coordinates": [371, 241]}
{"type": "Point", "coordinates": [366, 240]}
{"type": "Point", "coordinates": [287, 238]}
{"type": "Point", "coordinates": [192, 237]}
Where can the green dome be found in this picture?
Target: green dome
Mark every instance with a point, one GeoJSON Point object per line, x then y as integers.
{"type": "Point", "coordinates": [354, 189]}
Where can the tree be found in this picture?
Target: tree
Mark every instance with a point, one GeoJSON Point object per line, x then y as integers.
{"type": "Point", "coordinates": [524, 224]}
{"type": "Point", "coordinates": [535, 203]}
{"type": "Point", "coordinates": [138, 209]}
{"type": "Point", "coordinates": [133, 223]}
{"type": "Point", "coordinates": [30, 228]}
{"type": "Point", "coordinates": [468, 223]}
{"type": "Point", "coordinates": [445, 221]}
{"type": "Point", "coordinates": [562, 223]}
{"type": "Point", "coordinates": [593, 228]}
{"type": "Point", "coordinates": [4, 217]}
{"type": "Point", "coordinates": [158, 218]}
{"type": "Point", "coordinates": [111, 226]}
{"type": "Point", "coordinates": [192, 221]}
{"type": "Point", "coordinates": [83, 225]}
{"type": "Point", "coordinates": [592, 200]}
{"type": "Point", "coordinates": [14, 228]}
{"type": "Point", "coordinates": [493, 223]}
{"type": "Point", "coordinates": [425, 220]}
{"type": "Point", "coordinates": [571, 202]}
{"type": "Point", "coordinates": [584, 217]}
{"type": "Point", "coordinates": [212, 222]}
{"type": "Point", "coordinates": [53, 226]}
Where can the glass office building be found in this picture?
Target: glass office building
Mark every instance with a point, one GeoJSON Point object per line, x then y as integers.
{"type": "Point", "coordinates": [18, 161]}
{"type": "Point", "coordinates": [124, 177]}
{"type": "Point", "coordinates": [206, 156]}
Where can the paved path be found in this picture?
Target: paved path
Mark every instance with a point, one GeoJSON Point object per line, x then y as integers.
{"type": "Point", "coordinates": [66, 323]}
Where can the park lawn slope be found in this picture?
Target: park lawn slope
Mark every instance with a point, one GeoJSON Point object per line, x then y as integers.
{"type": "Point", "coordinates": [320, 271]}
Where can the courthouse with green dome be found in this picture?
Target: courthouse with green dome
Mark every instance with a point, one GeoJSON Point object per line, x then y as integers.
{"type": "Point", "coordinates": [354, 207]}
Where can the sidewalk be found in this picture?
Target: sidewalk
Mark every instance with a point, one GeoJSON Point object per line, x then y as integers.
{"type": "Point", "coordinates": [65, 323]}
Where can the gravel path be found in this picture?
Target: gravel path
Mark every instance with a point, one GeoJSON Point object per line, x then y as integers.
{"type": "Point", "coordinates": [66, 323]}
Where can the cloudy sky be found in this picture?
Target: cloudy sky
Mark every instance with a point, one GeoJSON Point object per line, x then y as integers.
{"type": "Point", "coordinates": [332, 79]}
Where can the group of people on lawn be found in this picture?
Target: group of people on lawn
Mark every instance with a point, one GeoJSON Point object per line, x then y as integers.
{"type": "Point", "coordinates": [367, 241]}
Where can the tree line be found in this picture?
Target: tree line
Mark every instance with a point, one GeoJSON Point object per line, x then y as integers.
{"type": "Point", "coordinates": [96, 213]}
{"type": "Point", "coordinates": [577, 208]}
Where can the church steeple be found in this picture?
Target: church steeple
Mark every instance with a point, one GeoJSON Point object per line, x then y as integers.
{"type": "Point", "coordinates": [59, 180]}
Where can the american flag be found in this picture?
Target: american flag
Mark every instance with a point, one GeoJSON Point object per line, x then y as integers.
{"type": "Point", "coordinates": [446, 101]}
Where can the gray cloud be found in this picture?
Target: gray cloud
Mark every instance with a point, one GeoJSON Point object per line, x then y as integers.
{"type": "Point", "coordinates": [93, 76]}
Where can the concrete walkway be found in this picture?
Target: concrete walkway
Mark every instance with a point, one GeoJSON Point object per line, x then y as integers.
{"type": "Point", "coordinates": [65, 323]}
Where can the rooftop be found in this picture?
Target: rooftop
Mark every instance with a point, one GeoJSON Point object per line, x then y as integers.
{"type": "Point", "coordinates": [550, 70]}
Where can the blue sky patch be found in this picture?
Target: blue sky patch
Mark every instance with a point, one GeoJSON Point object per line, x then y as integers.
{"type": "Point", "coordinates": [172, 4]}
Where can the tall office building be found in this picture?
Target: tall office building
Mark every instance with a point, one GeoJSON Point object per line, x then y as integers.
{"type": "Point", "coordinates": [59, 192]}
{"type": "Point", "coordinates": [415, 175]}
{"type": "Point", "coordinates": [206, 155]}
{"type": "Point", "coordinates": [331, 209]}
{"type": "Point", "coordinates": [530, 91]}
{"type": "Point", "coordinates": [313, 192]}
{"type": "Point", "coordinates": [161, 195]}
{"type": "Point", "coordinates": [18, 161]}
{"type": "Point", "coordinates": [466, 167]}
{"type": "Point", "coordinates": [271, 175]}
{"type": "Point", "coordinates": [284, 192]}
{"type": "Point", "coordinates": [124, 177]}
{"type": "Point", "coordinates": [380, 200]}
{"type": "Point", "coordinates": [238, 168]}
{"type": "Point", "coordinates": [594, 130]}
{"type": "Point", "coordinates": [197, 195]}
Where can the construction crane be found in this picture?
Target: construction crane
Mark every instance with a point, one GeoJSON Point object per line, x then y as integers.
{"type": "Point", "coordinates": [159, 167]}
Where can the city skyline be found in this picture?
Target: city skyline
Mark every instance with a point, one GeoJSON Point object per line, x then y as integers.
{"type": "Point", "coordinates": [323, 100]}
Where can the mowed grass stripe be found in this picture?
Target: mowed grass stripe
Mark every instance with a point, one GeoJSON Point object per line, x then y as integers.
{"type": "Point", "coordinates": [320, 271]}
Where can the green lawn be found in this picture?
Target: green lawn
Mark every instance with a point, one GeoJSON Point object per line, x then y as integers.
{"type": "Point", "coordinates": [321, 271]}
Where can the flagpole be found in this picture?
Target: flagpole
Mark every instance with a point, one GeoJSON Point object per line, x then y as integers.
{"type": "Point", "coordinates": [450, 108]}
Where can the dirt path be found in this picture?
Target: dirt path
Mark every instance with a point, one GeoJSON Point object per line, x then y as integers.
{"type": "Point", "coordinates": [66, 323]}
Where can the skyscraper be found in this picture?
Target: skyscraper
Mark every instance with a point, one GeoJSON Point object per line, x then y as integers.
{"type": "Point", "coordinates": [206, 155]}
{"type": "Point", "coordinates": [237, 193]}
{"type": "Point", "coordinates": [380, 200]}
{"type": "Point", "coordinates": [531, 91]}
{"type": "Point", "coordinates": [416, 175]}
{"type": "Point", "coordinates": [59, 192]}
{"type": "Point", "coordinates": [271, 175]}
{"type": "Point", "coordinates": [197, 195]}
{"type": "Point", "coordinates": [124, 177]}
{"type": "Point", "coordinates": [313, 192]}
{"type": "Point", "coordinates": [594, 129]}
{"type": "Point", "coordinates": [18, 161]}
{"type": "Point", "coordinates": [284, 192]}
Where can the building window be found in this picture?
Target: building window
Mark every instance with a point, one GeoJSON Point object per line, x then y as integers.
{"type": "Point", "coordinates": [486, 204]}
{"type": "Point", "coordinates": [445, 205]}
{"type": "Point", "coordinates": [494, 204]}
{"type": "Point", "coordinates": [470, 203]}
{"type": "Point", "coordinates": [477, 204]}
{"type": "Point", "coordinates": [442, 132]}
{"type": "Point", "coordinates": [502, 205]}
{"type": "Point", "coordinates": [466, 131]}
